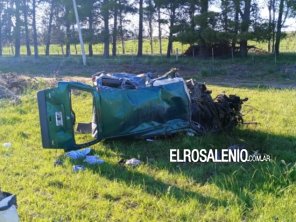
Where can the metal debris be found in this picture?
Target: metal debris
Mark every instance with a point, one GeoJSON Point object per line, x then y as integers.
{"type": "Point", "coordinates": [214, 115]}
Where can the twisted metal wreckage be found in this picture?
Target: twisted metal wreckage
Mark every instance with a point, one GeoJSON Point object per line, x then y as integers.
{"type": "Point", "coordinates": [138, 106]}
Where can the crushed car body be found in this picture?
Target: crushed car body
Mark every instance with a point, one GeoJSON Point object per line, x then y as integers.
{"type": "Point", "coordinates": [128, 105]}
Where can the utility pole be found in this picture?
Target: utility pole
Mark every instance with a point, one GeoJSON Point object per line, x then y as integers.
{"type": "Point", "coordinates": [79, 32]}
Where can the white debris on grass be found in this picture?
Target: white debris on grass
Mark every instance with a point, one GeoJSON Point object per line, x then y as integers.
{"type": "Point", "coordinates": [9, 211]}
{"type": "Point", "coordinates": [77, 168]}
{"type": "Point", "coordinates": [7, 145]}
{"type": "Point", "coordinates": [190, 134]}
{"type": "Point", "coordinates": [133, 162]}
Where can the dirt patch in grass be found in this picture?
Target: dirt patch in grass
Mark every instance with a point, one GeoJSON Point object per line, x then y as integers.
{"type": "Point", "coordinates": [52, 81]}
{"type": "Point", "coordinates": [13, 85]}
{"type": "Point", "coordinates": [18, 75]}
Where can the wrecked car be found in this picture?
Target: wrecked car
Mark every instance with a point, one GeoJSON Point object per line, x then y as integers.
{"type": "Point", "coordinates": [128, 105]}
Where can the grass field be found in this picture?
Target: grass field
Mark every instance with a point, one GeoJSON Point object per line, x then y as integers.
{"type": "Point", "coordinates": [288, 45]}
{"type": "Point", "coordinates": [157, 190]}
{"type": "Point", "coordinates": [131, 48]}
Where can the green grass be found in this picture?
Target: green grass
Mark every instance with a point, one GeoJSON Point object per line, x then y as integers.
{"type": "Point", "coordinates": [157, 190]}
{"type": "Point", "coordinates": [131, 48]}
{"type": "Point", "coordinates": [288, 45]}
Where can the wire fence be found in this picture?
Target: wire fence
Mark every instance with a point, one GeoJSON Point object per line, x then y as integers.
{"type": "Point", "coordinates": [130, 48]}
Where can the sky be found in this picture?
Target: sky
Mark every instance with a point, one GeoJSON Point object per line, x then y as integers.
{"type": "Point", "coordinates": [290, 24]}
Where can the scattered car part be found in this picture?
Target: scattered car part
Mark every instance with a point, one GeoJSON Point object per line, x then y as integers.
{"type": "Point", "coordinates": [214, 115]}
{"type": "Point", "coordinates": [78, 154]}
{"type": "Point", "coordinates": [92, 160]}
{"type": "Point", "coordinates": [8, 211]}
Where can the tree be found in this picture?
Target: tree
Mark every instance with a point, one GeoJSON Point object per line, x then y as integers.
{"type": "Point", "coordinates": [91, 32]}
{"type": "Point", "coordinates": [226, 9]}
{"type": "Point", "coordinates": [114, 33]}
{"type": "Point", "coordinates": [68, 7]}
{"type": "Point", "coordinates": [236, 4]}
{"type": "Point", "coordinates": [140, 37]}
{"type": "Point", "coordinates": [63, 32]}
{"type": "Point", "coordinates": [201, 28]}
{"type": "Point", "coordinates": [172, 12]}
{"type": "Point", "coordinates": [88, 12]}
{"type": "Point", "coordinates": [8, 30]}
{"type": "Point", "coordinates": [105, 10]}
{"type": "Point", "coordinates": [283, 11]}
{"type": "Point", "coordinates": [17, 31]}
{"type": "Point", "coordinates": [149, 16]}
{"type": "Point", "coordinates": [25, 12]}
{"type": "Point", "coordinates": [271, 24]}
{"type": "Point", "coordinates": [124, 8]}
{"type": "Point", "coordinates": [191, 12]}
{"type": "Point", "coordinates": [245, 15]}
{"type": "Point", "coordinates": [159, 5]}
{"type": "Point", "coordinates": [35, 41]}
{"type": "Point", "coordinates": [159, 30]}
{"type": "Point", "coordinates": [204, 51]}
{"type": "Point", "coordinates": [121, 31]}
{"type": "Point", "coordinates": [1, 11]}
{"type": "Point", "coordinates": [48, 38]}
{"type": "Point", "coordinates": [238, 21]}
{"type": "Point", "coordinates": [247, 25]}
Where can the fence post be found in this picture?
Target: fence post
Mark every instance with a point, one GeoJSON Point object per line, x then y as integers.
{"type": "Point", "coordinates": [213, 55]}
{"type": "Point", "coordinates": [274, 55]}
{"type": "Point", "coordinates": [133, 56]}
{"type": "Point", "coordinates": [232, 54]}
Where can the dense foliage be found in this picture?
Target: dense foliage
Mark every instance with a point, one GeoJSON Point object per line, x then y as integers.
{"type": "Point", "coordinates": [46, 22]}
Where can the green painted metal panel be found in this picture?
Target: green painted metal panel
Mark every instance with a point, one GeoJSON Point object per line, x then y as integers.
{"type": "Point", "coordinates": [142, 112]}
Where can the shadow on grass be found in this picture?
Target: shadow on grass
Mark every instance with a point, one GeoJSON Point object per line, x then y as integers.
{"type": "Point", "coordinates": [242, 179]}
{"type": "Point", "coordinates": [149, 184]}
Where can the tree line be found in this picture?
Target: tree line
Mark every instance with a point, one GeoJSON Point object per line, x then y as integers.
{"type": "Point", "coordinates": [107, 21]}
